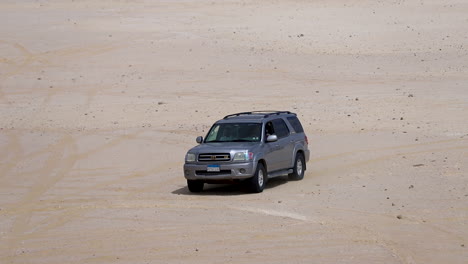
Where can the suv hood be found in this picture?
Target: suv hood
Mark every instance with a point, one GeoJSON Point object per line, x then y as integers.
{"type": "Point", "coordinates": [223, 147]}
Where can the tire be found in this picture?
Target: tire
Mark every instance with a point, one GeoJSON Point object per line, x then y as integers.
{"type": "Point", "coordinates": [257, 183]}
{"type": "Point", "coordinates": [195, 186]}
{"type": "Point", "coordinates": [299, 168]}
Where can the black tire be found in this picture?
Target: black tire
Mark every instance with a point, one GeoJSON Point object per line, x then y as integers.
{"type": "Point", "coordinates": [256, 184]}
{"type": "Point", "coordinates": [299, 168]}
{"type": "Point", "coordinates": [195, 186]}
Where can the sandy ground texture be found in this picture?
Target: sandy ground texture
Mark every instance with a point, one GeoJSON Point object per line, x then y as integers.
{"type": "Point", "coordinates": [99, 101]}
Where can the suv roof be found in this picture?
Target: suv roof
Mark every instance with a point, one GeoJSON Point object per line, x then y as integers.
{"type": "Point", "coordinates": [257, 114]}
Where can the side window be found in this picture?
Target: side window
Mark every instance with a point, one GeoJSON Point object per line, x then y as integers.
{"type": "Point", "coordinates": [296, 124]}
{"type": "Point", "coordinates": [281, 129]}
{"type": "Point", "coordinates": [269, 129]}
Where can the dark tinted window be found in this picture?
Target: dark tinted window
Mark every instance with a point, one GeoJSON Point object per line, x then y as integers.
{"type": "Point", "coordinates": [295, 124]}
{"type": "Point", "coordinates": [280, 127]}
{"type": "Point", "coordinates": [269, 129]}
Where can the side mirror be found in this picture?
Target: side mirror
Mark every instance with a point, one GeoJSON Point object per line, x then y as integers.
{"type": "Point", "coordinates": [199, 139]}
{"type": "Point", "coordinates": [272, 138]}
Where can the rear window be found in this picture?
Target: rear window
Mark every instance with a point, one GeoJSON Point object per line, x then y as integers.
{"type": "Point", "coordinates": [296, 124]}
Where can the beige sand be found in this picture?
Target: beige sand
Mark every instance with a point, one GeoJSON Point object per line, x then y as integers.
{"type": "Point", "coordinates": [99, 101]}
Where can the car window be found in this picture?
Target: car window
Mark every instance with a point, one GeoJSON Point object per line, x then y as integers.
{"type": "Point", "coordinates": [280, 127]}
{"type": "Point", "coordinates": [234, 132]}
{"type": "Point", "coordinates": [296, 124]}
{"type": "Point", "coordinates": [269, 129]}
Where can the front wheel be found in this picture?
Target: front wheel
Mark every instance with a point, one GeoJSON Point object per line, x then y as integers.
{"type": "Point", "coordinates": [195, 186]}
{"type": "Point", "coordinates": [299, 167]}
{"type": "Point", "coordinates": [257, 182]}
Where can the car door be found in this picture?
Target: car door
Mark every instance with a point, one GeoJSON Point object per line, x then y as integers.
{"type": "Point", "coordinates": [271, 149]}
{"type": "Point", "coordinates": [284, 144]}
{"type": "Point", "coordinates": [278, 153]}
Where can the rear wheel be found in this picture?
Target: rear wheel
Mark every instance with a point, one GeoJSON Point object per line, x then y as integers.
{"type": "Point", "coordinates": [195, 186]}
{"type": "Point", "coordinates": [258, 181]}
{"type": "Point", "coordinates": [299, 167]}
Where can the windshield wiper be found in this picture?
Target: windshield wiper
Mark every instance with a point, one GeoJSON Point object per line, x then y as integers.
{"type": "Point", "coordinates": [235, 140]}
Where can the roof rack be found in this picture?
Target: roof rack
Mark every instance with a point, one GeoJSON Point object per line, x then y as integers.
{"type": "Point", "coordinates": [264, 113]}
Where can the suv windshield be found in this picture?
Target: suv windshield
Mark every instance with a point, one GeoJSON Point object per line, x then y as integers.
{"type": "Point", "coordinates": [235, 132]}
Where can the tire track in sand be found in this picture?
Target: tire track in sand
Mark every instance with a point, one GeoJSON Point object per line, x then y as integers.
{"type": "Point", "coordinates": [49, 175]}
{"type": "Point", "coordinates": [57, 166]}
{"type": "Point", "coordinates": [15, 152]}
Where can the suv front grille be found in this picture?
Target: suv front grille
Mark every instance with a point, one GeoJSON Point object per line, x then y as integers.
{"type": "Point", "coordinates": [214, 157]}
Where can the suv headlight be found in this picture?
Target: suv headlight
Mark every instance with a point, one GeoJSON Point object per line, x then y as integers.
{"type": "Point", "coordinates": [243, 156]}
{"type": "Point", "coordinates": [190, 157]}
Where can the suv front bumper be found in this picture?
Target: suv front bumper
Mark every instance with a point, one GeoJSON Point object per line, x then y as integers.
{"type": "Point", "coordinates": [228, 171]}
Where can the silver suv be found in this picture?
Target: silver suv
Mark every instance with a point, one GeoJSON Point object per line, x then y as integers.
{"type": "Point", "coordinates": [251, 146]}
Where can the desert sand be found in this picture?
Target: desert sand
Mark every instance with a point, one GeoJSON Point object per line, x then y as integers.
{"type": "Point", "coordinates": [100, 100]}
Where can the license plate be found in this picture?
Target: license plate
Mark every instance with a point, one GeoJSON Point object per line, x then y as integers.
{"type": "Point", "coordinates": [212, 168]}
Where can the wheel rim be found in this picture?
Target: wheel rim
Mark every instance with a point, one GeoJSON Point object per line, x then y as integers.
{"type": "Point", "coordinates": [260, 177]}
{"type": "Point", "coordinates": [299, 167]}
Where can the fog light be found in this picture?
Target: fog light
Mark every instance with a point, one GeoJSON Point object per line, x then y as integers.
{"type": "Point", "coordinates": [242, 170]}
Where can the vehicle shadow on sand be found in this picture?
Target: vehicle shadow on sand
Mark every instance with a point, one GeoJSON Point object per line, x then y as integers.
{"type": "Point", "coordinates": [230, 189]}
